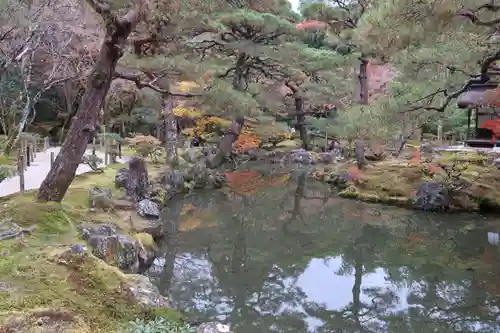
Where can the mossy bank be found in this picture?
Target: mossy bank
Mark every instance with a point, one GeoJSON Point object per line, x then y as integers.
{"type": "Point", "coordinates": [48, 286]}
{"type": "Point", "coordinates": [471, 177]}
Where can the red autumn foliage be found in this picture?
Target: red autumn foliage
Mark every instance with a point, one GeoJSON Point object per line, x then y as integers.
{"type": "Point", "coordinates": [416, 158]}
{"type": "Point", "coordinates": [494, 127]}
{"type": "Point", "coordinates": [312, 24]}
{"type": "Point", "coordinates": [432, 169]}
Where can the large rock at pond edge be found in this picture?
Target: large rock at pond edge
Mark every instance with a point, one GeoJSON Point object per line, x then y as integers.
{"type": "Point", "coordinates": [138, 289]}
{"type": "Point", "coordinates": [100, 197]}
{"type": "Point", "coordinates": [145, 293]}
{"type": "Point", "coordinates": [213, 327]}
{"type": "Point", "coordinates": [125, 252]}
{"type": "Point", "coordinates": [174, 182]}
{"type": "Point", "coordinates": [148, 208]}
{"type": "Point", "coordinates": [432, 197]}
{"type": "Point", "coordinates": [138, 181]}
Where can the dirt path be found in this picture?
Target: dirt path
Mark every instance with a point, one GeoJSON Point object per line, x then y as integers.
{"type": "Point", "coordinates": [35, 174]}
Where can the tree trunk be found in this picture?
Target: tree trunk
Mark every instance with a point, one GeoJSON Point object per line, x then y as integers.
{"type": "Point", "coordinates": [360, 154]}
{"type": "Point", "coordinates": [301, 118]}
{"type": "Point", "coordinates": [171, 137]}
{"type": "Point", "coordinates": [63, 170]}
{"type": "Point", "coordinates": [363, 80]}
{"type": "Point", "coordinates": [20, 127]}
{"type": "Point", "coordinates": [230, 137]}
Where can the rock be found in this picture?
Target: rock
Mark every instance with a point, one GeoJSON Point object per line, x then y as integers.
{"type": "Point", "coordinates": [211, 156]}
{"type": "Point", "coordinates": [142, 291]}
{"type": "Point", "coordinates": [216, 180]}
{"type": "Point", "coordinates": [327, 157]}
{"type": "Point", "coordinates": [124, 252]}
{"type": "Point", "coordinates": [174, 182]}
{"type": "Point", "coordinates": [148, 208]}
{"type": "Point", "coordinates": [302, 156]}
{"type": "Point", "coordinates": [100, 197]}
{"type": "Point", "coordinates": [371, 155]}
{"type": "Point", "coordinates": [426, 148]}
{"type": "Point", "coordinates": [289, 144]}
{"type": "Point", "coordinates": [432, 196]}
{"type": "Point", "coordinates": [137, 182]}
{"type": "Point", "coordinates": [199, 175]}
{"type": "Point", "coordinates": [121, 178]}
{"type": "Point", "coordinates": [496, 163]}
{"type": "Point", "coordinates": [341, 181]}
{"type": "Point", "coordinates": [213, 327]}
{"type": "Point", "coordinates": [138, 289]}
{"type": "Point", "coordinates": [193, 154]}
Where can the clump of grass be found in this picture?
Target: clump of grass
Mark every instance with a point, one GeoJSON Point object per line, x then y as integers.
{"type": "Point", "coordinates": [157, 325]}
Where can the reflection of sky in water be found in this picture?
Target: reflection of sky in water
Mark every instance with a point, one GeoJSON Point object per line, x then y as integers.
{"type": "Point", "coordinates": [319, 282]}
{"type": "Point", "coordinates": [323, 286]}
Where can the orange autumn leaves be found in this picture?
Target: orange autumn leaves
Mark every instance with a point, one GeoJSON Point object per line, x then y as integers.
{"type": "Point", "coordinates": [247, 183]}
{"type": "Point", "coordinates": [245, 142]}
{"type": "Point", "coordinates": [428, 168]}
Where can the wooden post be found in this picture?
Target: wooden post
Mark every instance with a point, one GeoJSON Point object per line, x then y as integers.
{"type": "Point", "coordinates": [105, 152]}
{"type": "Point", "coordinates": [33, 153]}
{"type": "Point", "coordinates": [20, 169]}
{"type": "Point", "coordinates": [440, 131]}
{"type": "Point", "coordinates": [46, 144]}
{"type": "Point", "coordinates": [27, 154]}
{"type": "Point", "coordinates": [51, 158]}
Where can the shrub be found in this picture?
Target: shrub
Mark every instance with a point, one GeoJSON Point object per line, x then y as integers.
{"type": "Point", "coordinates": [92, 161]}
{"type": "Point", "coordinates": [146, 146]}
{"type": "Point", "coordinates": [6, 171]}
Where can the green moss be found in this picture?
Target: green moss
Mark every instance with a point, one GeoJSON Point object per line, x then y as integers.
{"type": "Point", "coordinates": [35, 278]}
{"type": "Point", "coordinates": [169, 314]}
{"type": "Point", "coordinates": [7, 160]}
{"type": "Point", "coordinates": [85, 286]}
{"type": "Point", "coordinates": [146, 241]}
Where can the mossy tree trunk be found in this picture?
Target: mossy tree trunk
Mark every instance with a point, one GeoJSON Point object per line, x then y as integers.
{"type": "Point", "coordinates": [62, 173]}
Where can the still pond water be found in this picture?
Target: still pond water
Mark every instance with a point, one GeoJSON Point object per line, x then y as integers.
{"type": "Point", "coordinates": [287, 256]}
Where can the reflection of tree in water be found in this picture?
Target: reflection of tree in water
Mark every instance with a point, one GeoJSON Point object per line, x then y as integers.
{"type": "Point", "coordinates": [440, 298]}
{"type": "Point", "coordinates": [246, 270]}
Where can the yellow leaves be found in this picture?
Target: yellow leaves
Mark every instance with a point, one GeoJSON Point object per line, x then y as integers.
{"type": "Point", "coordinates": [143, 139]}
{"type": "Point", "coordinates": [187, 112]}
{"type": "Point", "coordinates": [186, 86]}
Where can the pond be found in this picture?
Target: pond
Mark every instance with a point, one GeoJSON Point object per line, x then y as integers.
{"type": "Point", "coordinates": [283, 254]}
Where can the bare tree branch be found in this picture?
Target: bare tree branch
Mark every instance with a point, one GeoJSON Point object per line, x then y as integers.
{"type": "Point", "coordinates": [152, 85]}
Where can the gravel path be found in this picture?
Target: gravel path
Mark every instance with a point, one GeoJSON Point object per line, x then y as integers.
{"type": "Point", "coordinates": [35, 174]}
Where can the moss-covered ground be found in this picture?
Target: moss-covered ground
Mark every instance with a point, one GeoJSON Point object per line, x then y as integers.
{"type": "Point", "coordinates": [39, 292]}
{"type": "Point", "coordinates": [396, 181]}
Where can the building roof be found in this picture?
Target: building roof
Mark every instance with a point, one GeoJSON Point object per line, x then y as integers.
{"type": "Point", "coordinates": [484, 95]}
